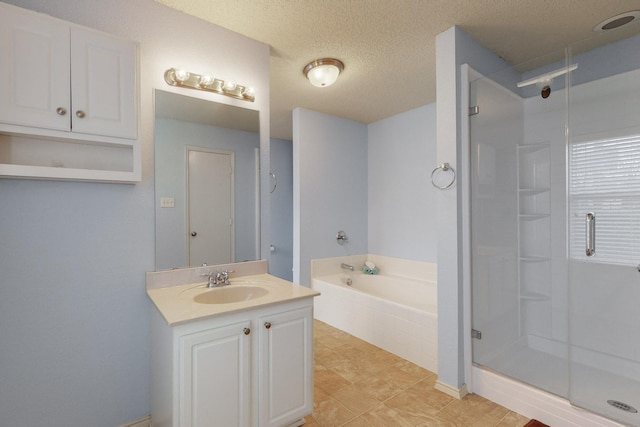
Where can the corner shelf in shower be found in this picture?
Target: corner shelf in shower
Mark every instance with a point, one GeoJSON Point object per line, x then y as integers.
{"type": "Point", "coordinates": [533, 217]}
{"type": "Point", "coordinates": [534, 233]}
{"type": "Point", "coordinates": [534, 297]}
{"type": "Point", "coordinates": [533, 259]}
{"type": "Point", "coordinates": [532, 191]}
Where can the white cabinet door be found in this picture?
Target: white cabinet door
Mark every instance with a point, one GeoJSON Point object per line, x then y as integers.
{"type": "Point", "coordinates": [58, 76]}
{"type": "Point", "coordinates": [286, 367]}
{"type": "Point", "coordinates": [215, 382]}
{"type": "Point", "coordinates": [34, 70]}
{"type": "Point", "coordinates": [103, 84]}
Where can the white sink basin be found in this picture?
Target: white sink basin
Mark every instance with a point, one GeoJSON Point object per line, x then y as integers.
{"type": "Point", "coordinates": [230, 294]}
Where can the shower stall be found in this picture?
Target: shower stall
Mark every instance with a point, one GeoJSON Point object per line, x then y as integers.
{"type": "Point", "coordinates": [555, 225]}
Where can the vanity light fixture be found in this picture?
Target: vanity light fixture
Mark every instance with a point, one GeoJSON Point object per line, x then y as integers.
{"type": "Point", "coordinates": [182, 78]}
{"type": "Point", "coordinates": [323, 72]}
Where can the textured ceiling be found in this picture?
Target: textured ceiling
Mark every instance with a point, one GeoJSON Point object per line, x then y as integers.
{"type": "Point", "coordinates": [388, 46]}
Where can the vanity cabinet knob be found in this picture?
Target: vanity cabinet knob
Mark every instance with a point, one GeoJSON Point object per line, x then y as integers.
{"type": "Point", "coordinates": [247, 331]}
{"type": "Point", "coordinates": [267, 325]}
{"type": "Point", "coordinates": [61, 111]}
{"type": "Point", "coordinates": [194, 234]}
{"type": "Point", "coordinates": [80, 114]}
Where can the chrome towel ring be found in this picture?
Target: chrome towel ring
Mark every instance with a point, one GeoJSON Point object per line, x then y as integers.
{"type": "Point", "coordinates": [445, 167]}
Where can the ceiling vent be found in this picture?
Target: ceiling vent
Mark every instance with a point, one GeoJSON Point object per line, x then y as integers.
{"type": "Point", "coordinates": [617, 21]}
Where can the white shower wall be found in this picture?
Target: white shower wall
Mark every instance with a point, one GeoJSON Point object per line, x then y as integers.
{"type": "Point", "coordinates": [605, 108]}
{"type": "Point", "coordinates": [544, 123]}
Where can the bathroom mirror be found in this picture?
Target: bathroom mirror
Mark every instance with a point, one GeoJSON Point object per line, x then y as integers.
{"type": "Point", "coordinates": [206, 182]}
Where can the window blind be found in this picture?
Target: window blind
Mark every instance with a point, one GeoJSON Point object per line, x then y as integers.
{"type": "Point", "coordinates": [604, 179]}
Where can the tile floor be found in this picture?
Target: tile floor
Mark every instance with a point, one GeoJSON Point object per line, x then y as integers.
{"type": "Point", "coordinates": [358, 384]}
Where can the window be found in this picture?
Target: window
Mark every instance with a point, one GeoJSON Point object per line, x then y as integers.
{"type": "Point", "coordinates": [604, 178]}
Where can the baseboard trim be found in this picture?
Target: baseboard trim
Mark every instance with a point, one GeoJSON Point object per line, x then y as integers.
{"type": "Point", "coordinates": [140, 422]}
{"type": "Point", "coordinates": [458, 393]}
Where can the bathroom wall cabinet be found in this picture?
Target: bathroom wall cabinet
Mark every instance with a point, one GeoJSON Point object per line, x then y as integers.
{"type": "Point", "coordinates": [248, 368]}
{"type": "Point", "coordinates": [69, 108]}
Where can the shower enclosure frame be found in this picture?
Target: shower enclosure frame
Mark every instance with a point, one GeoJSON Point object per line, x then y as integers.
{"type": "Point", "coordinates": [514, 394]}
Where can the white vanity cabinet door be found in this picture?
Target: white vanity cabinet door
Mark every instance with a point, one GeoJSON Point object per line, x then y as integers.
{"type": "Point", "coordinates": [34, 70]}
{"type": "Point", "coordinates": [215, 377]}
{"type": "Point", "coordinates": [285, 366]}
{"type": "Point", "coordinates": [103, 84]}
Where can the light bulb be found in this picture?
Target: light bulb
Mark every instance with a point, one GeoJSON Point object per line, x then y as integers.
{"type": "Point", "coordinates": [250, 92]}
{"type": "Point", "coordinates": [181, 74]}
{"type": "Point", "coordinates": [324, 75]}
{"type": "Point", "coordinates": [230, 85]}
{"type": "Point", "coordinates": [206, 79]}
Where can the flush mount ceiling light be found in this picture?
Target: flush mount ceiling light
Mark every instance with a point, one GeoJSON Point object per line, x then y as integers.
{"type": "Point", "coordinates": [183, 78]}
{"type": "Point", "coordinates": [323, 72]}
{"type": "Point", "coordinates": [617, 21]}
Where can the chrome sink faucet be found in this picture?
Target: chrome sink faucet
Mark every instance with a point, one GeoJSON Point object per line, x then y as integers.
{"type": "Point", "coordinates": [222, 277]}
{"type": "Point", "coordinates": [210, 277]}
{"type": "Point", "coordinates": [219, 278]}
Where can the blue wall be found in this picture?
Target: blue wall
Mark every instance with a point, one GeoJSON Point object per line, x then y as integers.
{"type": "Point", "coordinates": [330, 188]}
{"type": "Point", "coordinates": [73, 310]}
{"type": "Point", "coordinates": [281, 263]}
{"type": "Point", "coordinates": [402, 211]}
{"type": "Point", "coordinates": [74, 316]}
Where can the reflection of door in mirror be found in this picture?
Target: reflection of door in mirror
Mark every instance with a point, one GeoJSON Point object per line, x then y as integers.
{"type": "Point", "coordinates": [210, 183]}
{"type": "Point", "coordinates": [181, 122]}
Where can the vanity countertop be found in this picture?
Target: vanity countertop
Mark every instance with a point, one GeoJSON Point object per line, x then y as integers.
{"type": "Point", "coordinates": [177, 304]}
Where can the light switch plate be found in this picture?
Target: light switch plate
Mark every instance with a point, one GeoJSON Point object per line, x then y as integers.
{"type": "Point", "coordinates": [167, 202]}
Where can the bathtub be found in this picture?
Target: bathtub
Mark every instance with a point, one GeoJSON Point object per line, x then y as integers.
{"type": "Point", "coordinates": [398, 314]}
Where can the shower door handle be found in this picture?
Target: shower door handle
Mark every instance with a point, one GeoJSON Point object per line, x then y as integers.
{"type": "Point", "coordinates": [591, 234]}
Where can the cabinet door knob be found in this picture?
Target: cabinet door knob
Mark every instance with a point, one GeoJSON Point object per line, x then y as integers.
{"type": "Point", "coordinates": [80, 114]}
{"type": "Point", "coordinates": [61, 111]}
{"type": "Point", "coordinates": [194, 234]}
{"type": "Point", "coordinates": [247, 331]}
{"type": "Point", "coordinates": [267, 325]}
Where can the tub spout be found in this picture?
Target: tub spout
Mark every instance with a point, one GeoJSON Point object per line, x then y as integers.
{"type": "Point", "coordinates": [346, 266]}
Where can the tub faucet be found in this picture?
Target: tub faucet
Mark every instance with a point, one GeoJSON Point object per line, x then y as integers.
{"type": "Point", "coordinates": [346, 266]}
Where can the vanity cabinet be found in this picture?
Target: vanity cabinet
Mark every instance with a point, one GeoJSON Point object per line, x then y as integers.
{"type": "Point", "coordinates": [215, 379]}
{"type": "Point", "coordinates": [65, 86]}
{"type": "Point", "coordinates": [285, 366]}
{"type": "Point", "coordinates": [249, 368]}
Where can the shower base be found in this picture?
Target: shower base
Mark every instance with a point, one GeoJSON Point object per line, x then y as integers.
{"type": "Point", "coordinates": [537, 371]}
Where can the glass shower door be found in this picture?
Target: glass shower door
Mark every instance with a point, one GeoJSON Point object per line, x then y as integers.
{"type": "Point", "coordinates": [517, 330]}
{"type": "Point", "coordinates": [518, 245]}
{"type": "Point", "coordinates": [494, 131]}
{"type": "Point", "coordinates": [604, 236]}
